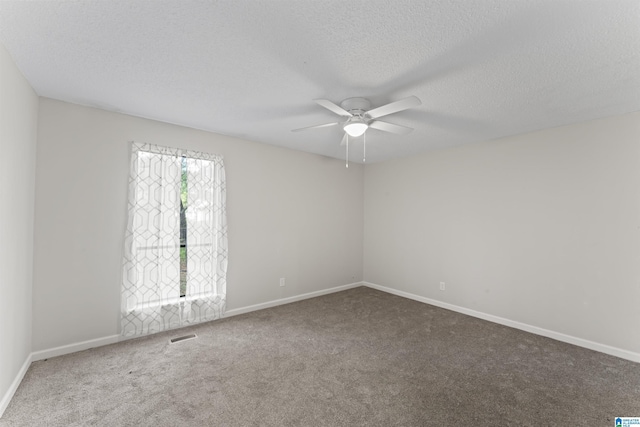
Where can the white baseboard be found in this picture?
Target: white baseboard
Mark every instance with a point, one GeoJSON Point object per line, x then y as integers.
{"type": "Point", "coordinates": [282, 301]}
{"type": "Point", "coordinates": [72, 348]}
{"type": "Point", "coordinates": [14, 385]}
{"type": "Point", "coordinates": [602, 348]}
{"type": "Point", "coordinates": [84, 345]}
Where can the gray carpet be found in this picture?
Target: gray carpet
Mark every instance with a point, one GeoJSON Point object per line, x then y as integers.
{"type": "Point", "coordinates": [355, 358]}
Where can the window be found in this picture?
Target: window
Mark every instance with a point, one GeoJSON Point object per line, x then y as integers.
{"type": "Point", "coordinates": [175, 258]}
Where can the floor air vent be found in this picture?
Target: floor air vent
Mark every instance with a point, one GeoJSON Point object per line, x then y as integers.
{"type": "Point", "coordinates": [184, 338]}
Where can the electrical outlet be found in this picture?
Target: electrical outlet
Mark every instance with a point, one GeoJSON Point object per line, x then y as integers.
{"type": "Point", "coordinates": [282, 281]}
{"type": "Point", "coordinates": [442, 286]}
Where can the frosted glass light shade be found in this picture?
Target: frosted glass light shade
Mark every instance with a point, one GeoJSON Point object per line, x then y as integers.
{"type": "Point", "coordinates": [355, 128]}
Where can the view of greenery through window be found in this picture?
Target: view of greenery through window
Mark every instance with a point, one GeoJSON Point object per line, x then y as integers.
{"type": "Point", "coordinates": [183, 229]}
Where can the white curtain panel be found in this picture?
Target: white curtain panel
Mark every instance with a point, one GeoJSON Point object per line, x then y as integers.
{"type": "Point", "coordinates": [206, 238]}
{"type": "Point", "coordinates": [151, 300]}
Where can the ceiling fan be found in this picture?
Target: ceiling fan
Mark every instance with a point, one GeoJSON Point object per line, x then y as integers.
{"type": "Point", "coordinates": [359, 117]}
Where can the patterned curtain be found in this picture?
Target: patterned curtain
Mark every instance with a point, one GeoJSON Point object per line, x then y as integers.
{"type": "Point", "coordinates": [206, 237]}
{"type": "Point", "coordinates": [151, 300]}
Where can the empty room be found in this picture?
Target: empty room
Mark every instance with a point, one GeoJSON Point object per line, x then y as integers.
{"type": "Point", "coordinates": [320, 213]}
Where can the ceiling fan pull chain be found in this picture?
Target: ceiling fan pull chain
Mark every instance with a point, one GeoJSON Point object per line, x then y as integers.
{"type": "Point", "coordinates": [364, 147]}
{"type": "Point", "coordinates": [347, 150]}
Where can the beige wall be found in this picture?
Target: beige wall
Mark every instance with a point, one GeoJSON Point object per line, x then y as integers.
{"type": "Point", "coordinates": [290, 214]}
{"type": "Point", "coordinates": [18, 125]}
{"type": "Point", "coordinates": [541, 228]}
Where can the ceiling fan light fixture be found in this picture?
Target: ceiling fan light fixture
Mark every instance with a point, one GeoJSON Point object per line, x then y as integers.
{"type": "Point", "coordinates": [356, 127]}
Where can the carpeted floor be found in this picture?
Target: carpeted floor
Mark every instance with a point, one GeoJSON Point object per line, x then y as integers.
{"type": "Point", "coordinates": [355, 358]}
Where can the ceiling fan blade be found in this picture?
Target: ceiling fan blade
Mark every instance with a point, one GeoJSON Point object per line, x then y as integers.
{"type": "Point", "coordinates": [316, 126]}
{"type": "Point", "coordinates": [394, 107]}
{"type": "Point", "coordinates": [390, 127]}
{"type": "Point", "coordinates": [333, 107]}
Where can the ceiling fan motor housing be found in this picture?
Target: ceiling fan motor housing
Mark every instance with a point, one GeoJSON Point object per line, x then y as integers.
{"type": "Point", "coordinates": [356, 106]}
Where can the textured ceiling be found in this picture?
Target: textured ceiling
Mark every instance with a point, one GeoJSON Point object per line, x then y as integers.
{"type": "Point", "coordinates": [251, 69]}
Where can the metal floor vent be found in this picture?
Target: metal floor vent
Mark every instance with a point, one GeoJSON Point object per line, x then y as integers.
{"type": "Point", "coordinates": [186, 337]}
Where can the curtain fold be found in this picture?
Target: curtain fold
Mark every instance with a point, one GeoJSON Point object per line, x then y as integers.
{"type": "Point", "coordinates": [151, 300]}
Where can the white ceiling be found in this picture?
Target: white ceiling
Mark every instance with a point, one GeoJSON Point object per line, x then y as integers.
{"type": "Point", "coordinates": [247, 68]}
